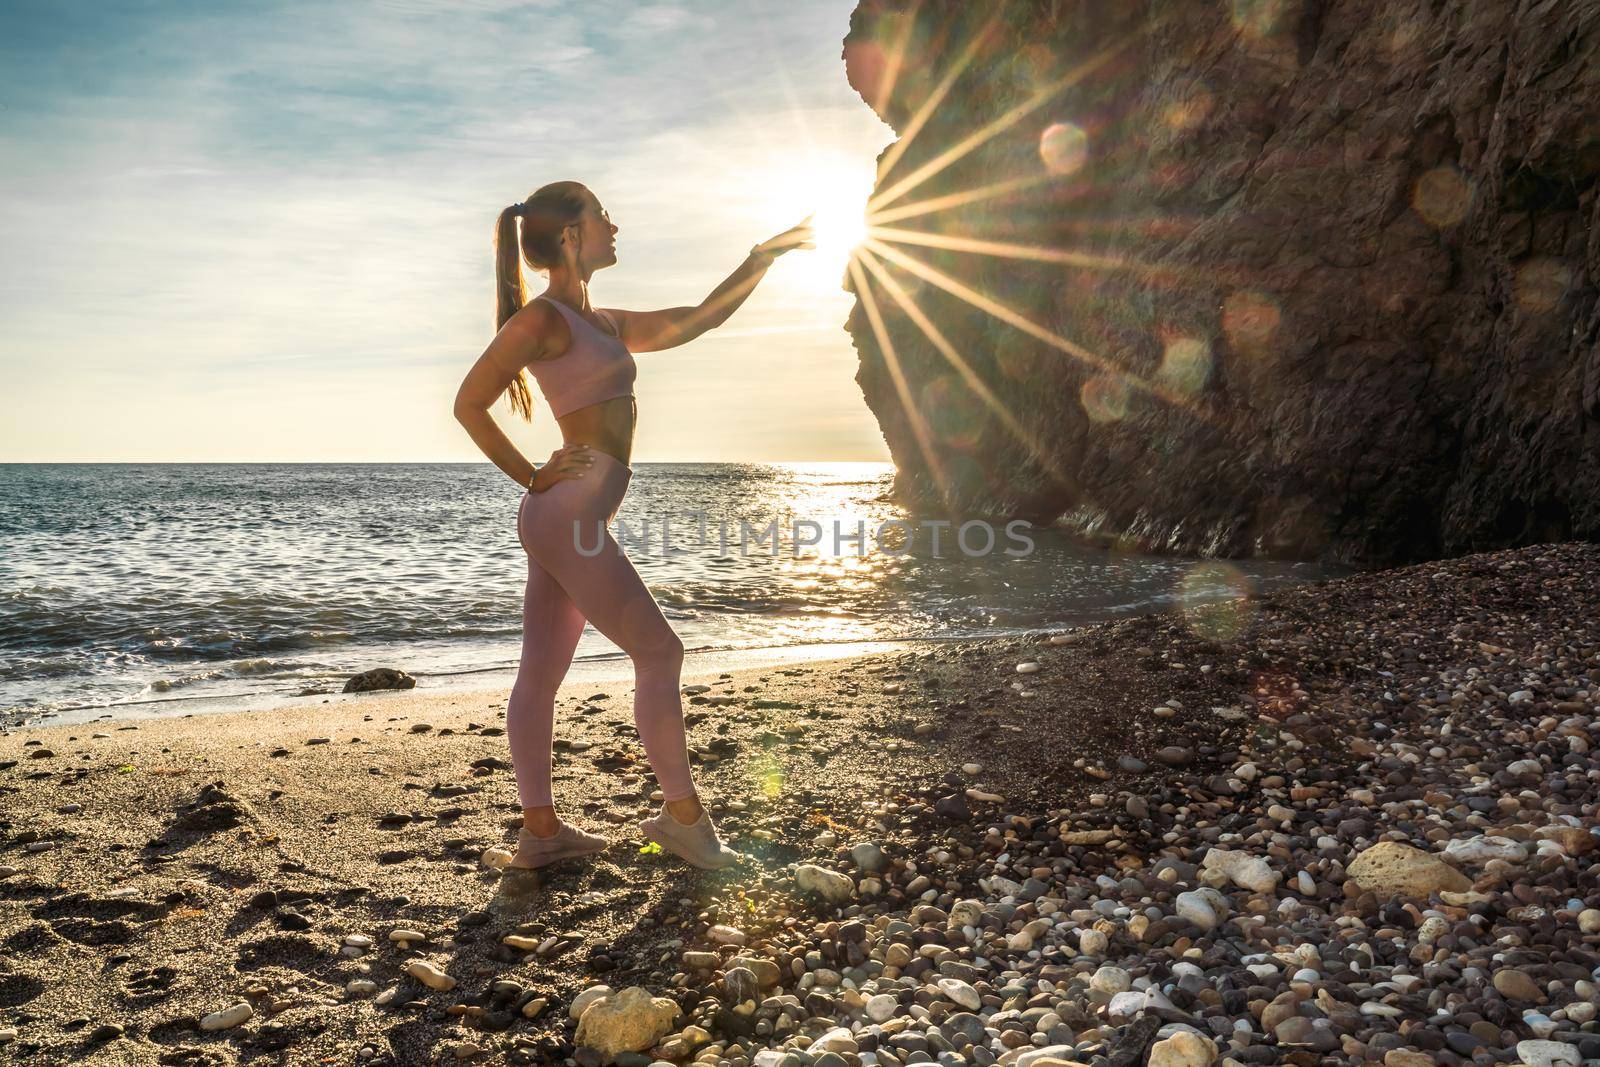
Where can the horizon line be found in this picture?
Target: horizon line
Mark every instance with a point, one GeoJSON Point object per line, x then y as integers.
{"type": "Point", "coordinates": [364, 462]}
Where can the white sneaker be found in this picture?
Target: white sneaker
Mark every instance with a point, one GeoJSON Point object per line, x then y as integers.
{"type": "Point", "coordinates": [697, 842]}
{"type": "Point", "coordinates": [565, 843]}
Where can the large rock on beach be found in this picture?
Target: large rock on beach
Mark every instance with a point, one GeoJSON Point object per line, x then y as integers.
{"type": "Point", "coordinates": [1392, 869]}
{"type": "Point", "coordinates": [379, 678]}
{"type": "Point", "coordinates": [629, 1021]}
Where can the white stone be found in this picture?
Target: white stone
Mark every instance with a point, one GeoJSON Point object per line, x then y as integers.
{"type": "Point", "coordinates": [961, 993]}
{"type": "Point", "coordinates": [831, 886]}
{"type": "Point", "coordinates": [1242, 869]}
{"type": "Point", "coordinates": [404, 933]}
{"type": "Point", "coordinates": [839, 1040]}
{"type": "Point", "coordinates": [968, 912]}
{"type": "Point", "coordinates": [881, 1008]}
{"type": "Point", "coordinates": [1183, 1049]}
{"type": "Point", "coordinates": [1482, 849]}
{"type": "Point", "coordinates": [429, 975]}
{"type": "Point", "coordinates": [228, 1017]}
{"type": "Point", "coordinates": [1204, 907]}
{"type": "Point", "coordinates": [1029, 667]}
{"type": "Point", "coordinates": [1547, 1054]}
{"type": "Point", "coordinates": [726, 935]}
{"type": "Point", "coordinates": [1109, 979]}
{"type": "Point", "coordinates": [1092, 942]}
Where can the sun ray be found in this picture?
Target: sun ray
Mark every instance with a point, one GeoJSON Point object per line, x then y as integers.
{"type": "Point", "coordinates": [1038, 99]}
{"type": "Point", "coordinates": [999, 125]}
{"type": "Point", "coordinates": [935, 98]}
{"type": "Point", "coordinates": [919, 428]}
{"type": "Point", "coordinates": [1217, 273]}
{"type": "Point", "coordinates": [1002, 249]}
{"type": "Point", "coordinates": [981, 388]}
{"type": "Point", "coordinates": [1021, 322]}
{"type": "Point", "coordinates": [966, 196]}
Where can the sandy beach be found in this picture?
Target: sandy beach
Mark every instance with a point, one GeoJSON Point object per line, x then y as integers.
{"type": "Point", "coordinates": [1049, 793]}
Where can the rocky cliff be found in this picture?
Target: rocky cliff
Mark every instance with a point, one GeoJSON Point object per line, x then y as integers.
{"type": "Point", "coordinates": [1309, 278]}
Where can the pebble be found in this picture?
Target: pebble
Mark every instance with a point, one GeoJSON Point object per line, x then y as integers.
{"type": "Point", "coordinates": [1518, 986]}
{"type": "Point", "coordinates": [1243, 869]}
{"type": "Point", "coordinates": [961, 993]}
{"type": "Point", "coordinates": [1186, 1048]}
{"type": "Point", "coordinates": [429, 975]}
{"type": "Point", "coordinates": [1204, 907]}
{"type": "Point", "coordinates": [228, 1017]}
{"type": "Point", "coordinates": [1548, 1054]}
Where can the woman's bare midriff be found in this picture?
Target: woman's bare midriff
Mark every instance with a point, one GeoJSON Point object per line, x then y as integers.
{"type": "Point", "coordinates": [605, 427]}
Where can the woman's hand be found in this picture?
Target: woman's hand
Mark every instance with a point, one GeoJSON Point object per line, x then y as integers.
{"type": "Point", "coordinates": [797, 236]}
{"type": "Point", "coordinates": [568, 461]}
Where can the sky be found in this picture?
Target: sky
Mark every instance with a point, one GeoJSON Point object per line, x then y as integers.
{"type": "Point", "coordinates": [264, 232]}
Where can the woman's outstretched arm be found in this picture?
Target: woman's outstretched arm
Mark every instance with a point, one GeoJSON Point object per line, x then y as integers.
{"type": "Point", "coordinates": [651, 331]}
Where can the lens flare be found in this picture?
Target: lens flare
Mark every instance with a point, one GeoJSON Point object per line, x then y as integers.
{"type": "Point", "coordinates": [1250, 319]}
{"type": "Point", "coordinates": [1442, 197]}
{"type": "Point", "coordinates": [1191, 110]}
{"type": "Point", "coordinates": [954, 414]}
{"type": "Point", "coordinates": [1064, 148]}
{"type": "Point", "coordinates": [1104, 398]}
{"type": "Point", "coordinates": [767, 777]}
{"type": "Point", "coordinates": [1258, 18]}
{"type": "Point", "coordinates": [1185, 365]}
{"type": "Point", "coordinates": [1541, 283]}
{"type": "Point", "coordinates": [1214, 600]}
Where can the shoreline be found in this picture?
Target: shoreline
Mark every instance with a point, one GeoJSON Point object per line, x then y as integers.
{"type": "Point", "coordinates": [1072, 815]}
{"type": "Point", "coordinates": [591, 670]}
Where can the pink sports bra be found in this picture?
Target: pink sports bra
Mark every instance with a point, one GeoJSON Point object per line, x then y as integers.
{"type": "Point", "coordinates": [595, 367]}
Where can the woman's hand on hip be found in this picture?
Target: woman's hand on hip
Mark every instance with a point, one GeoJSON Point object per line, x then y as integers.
{"type": "Point", "coordinates": [568, 461]}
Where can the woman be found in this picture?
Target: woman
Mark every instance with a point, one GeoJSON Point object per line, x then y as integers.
{"type": "Point", "coordinates": [582, 358]}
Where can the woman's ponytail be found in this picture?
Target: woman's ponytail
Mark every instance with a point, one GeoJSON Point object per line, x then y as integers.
{"type": "Point", "coordinates": [509, 296]}
{"type": "Point", "coordinates": [544, 215]}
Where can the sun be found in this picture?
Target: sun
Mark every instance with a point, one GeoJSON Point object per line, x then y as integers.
{"type": "Point", "coordinates": [835, 196]}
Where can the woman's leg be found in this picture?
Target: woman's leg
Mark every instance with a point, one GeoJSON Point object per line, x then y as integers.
{"type": "Point", "coordinates": [607, 590]}
{"type": "Point", "coordinates": [551, 626]}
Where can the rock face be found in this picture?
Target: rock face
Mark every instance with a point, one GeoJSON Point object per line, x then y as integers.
{"type": "Point", "coordinates": [1313, 278]}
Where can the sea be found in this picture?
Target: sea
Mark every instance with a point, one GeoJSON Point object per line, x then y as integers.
{"type": "Point", "coordinates": [138, 590]}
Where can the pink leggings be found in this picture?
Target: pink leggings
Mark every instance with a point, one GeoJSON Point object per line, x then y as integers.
{"type": "Point", "coordinates": [568, 583]}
